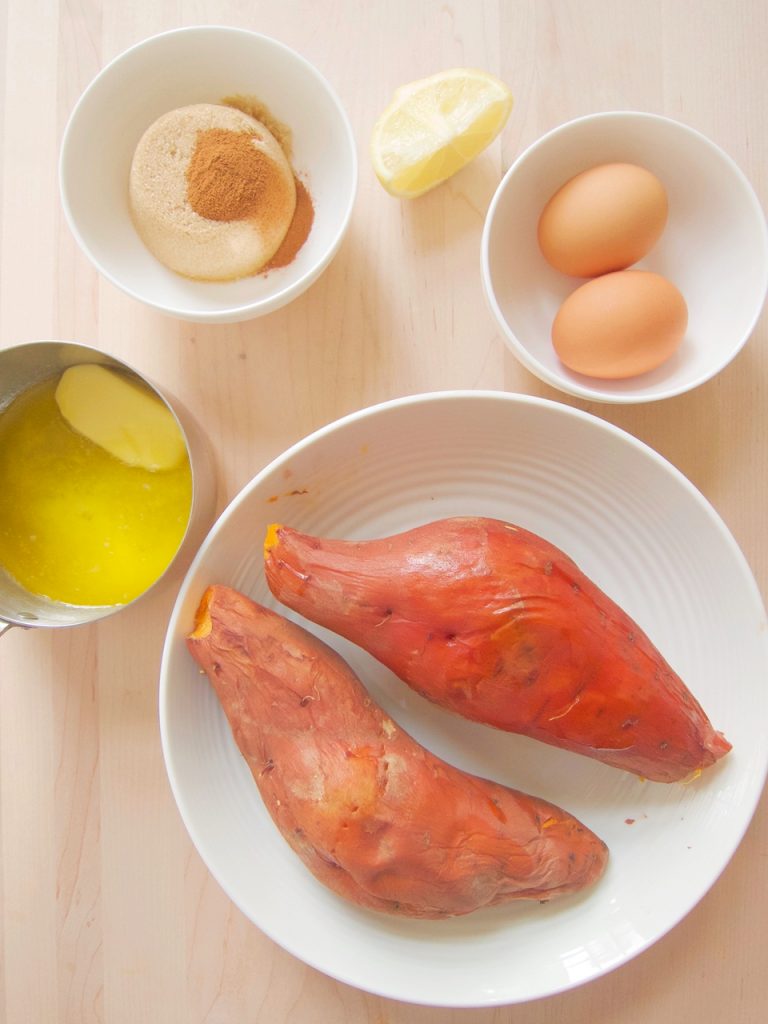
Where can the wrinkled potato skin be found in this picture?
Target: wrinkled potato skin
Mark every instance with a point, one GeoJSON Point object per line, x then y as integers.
{"type": "Point", "coordinates": [500, 626]}
{"type": "Point", "coordinates": [373, 814]}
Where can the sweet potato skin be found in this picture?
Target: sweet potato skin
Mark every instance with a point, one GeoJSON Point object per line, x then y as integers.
{"type": "Point", "coordinates": [373, 814]}
{"type": "Point", "coordinates": [495, 623]}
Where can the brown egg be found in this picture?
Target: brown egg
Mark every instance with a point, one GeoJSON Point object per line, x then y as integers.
{"type": "Point", "coordinates": [620, 324]}
{"type": "Point", "coordinates": [604, 219]}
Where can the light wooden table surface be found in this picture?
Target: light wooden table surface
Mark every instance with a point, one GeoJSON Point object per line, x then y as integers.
{"type": "Point", "coordinates": [107, 912]}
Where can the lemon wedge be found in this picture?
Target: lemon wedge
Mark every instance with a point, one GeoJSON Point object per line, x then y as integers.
{"type": "Point", "coordinates": [435, 126]}
{"type": "Point", "coordinates": [121, 416]}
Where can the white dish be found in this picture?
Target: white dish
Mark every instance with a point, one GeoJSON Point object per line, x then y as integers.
{"type": "Point", "coordinates": [714, 248]}
{"type": "Point", "coordinates": [645, 535]}
{"type": "Point", "coordinates": [203, 64]}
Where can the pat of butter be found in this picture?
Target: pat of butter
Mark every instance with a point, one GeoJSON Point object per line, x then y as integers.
{"type": "Point", "coordinates": [121, 416]}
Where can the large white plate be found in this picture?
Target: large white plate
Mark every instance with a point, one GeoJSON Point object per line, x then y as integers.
{"type": "Point", "coordinates": [645, 535]}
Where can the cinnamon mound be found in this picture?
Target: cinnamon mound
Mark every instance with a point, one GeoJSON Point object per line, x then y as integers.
{"type": "Point", "coordinates": [211, 192]}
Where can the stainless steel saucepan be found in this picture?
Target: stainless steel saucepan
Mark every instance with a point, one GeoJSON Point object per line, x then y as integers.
{"type": "Point", "coordinates": [23, 366]}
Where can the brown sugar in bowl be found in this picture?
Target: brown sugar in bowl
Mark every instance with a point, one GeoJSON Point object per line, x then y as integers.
{"type": "Point", "coordinates": [211, 192]}
{"type": "Point", "coordinates": [177, 69]}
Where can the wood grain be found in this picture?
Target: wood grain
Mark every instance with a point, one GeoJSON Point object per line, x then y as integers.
{"type": "Point", "coordinates": [107, 913]}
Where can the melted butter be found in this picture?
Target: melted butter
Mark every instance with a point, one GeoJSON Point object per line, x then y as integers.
{"type": "Point", "coordinates": [78, 525]}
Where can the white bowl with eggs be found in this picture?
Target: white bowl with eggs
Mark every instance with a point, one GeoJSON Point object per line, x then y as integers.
{"type": "Point", "coordinates": [713, 250]}
{"type": "Point", "coordinates": [181, 68]}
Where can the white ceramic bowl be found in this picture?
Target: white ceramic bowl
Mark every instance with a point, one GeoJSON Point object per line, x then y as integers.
{"type": "Point", "coordinates": [202, 65]}
{"type": "Point", "coordinates": [714, 248]}
{"type": "Point", "coordinates": [638, 528]}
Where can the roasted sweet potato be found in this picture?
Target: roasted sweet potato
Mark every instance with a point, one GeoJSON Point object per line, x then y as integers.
{"type": "Point", "coordinates": [497, 624]}
{"type": "Point", "coordinates": [372, 814]}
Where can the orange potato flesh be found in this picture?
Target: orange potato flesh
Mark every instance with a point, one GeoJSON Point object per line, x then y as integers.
{"type": "Point", "coordinates": [373, 814]}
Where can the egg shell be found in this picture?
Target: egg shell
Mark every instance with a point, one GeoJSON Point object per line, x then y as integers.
{"type": "Point", "coordinates": [604, 219]}
{"type": "Point", "coordinates": [620, 325]}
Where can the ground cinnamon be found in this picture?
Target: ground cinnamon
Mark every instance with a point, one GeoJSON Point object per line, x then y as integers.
{"type": "Point", "coordinates": [298, 230]}
{"type": "Point", "coordinates": [228, 178]}
{"type": "Point", "coordinates": [253, 107]}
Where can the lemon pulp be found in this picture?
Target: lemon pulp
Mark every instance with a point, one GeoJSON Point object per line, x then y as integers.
{"type": "Point", "coordinates": [78, 525]}
{"type": "Point", "coordinates": [435, 126]}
